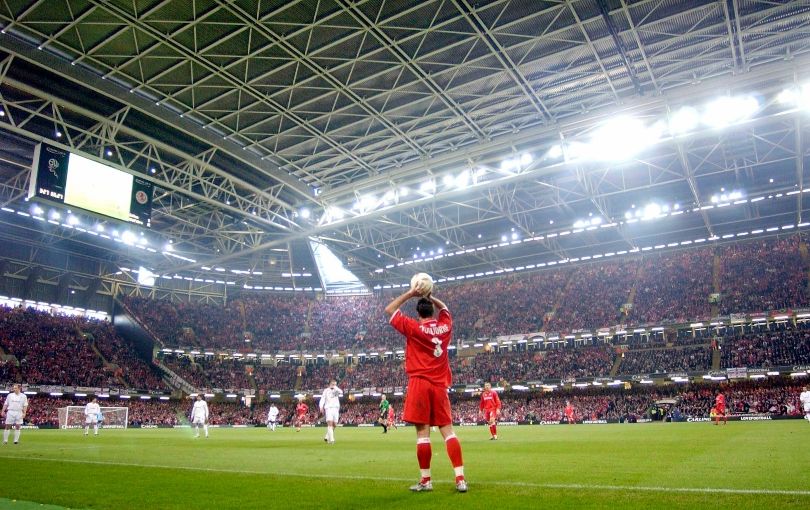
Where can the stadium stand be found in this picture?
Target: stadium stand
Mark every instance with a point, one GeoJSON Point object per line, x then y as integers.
{"type": "Point", "coordinates": [62, 350]}
{"type": "Point", "coordinates": [664, 288]}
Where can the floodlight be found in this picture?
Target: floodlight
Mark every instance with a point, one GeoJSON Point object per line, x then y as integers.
{"type": "Point", "coordinates": [463, 179]}
{"type": "Point", "coordinates": [334, 213]}
{"type": "Point", "coordinates": [555, 152]}
{"type": "Point", "coordinates": [304, 213]}
{"type": "Point", "coordinates": [799, 97]}
{"type": "Point", "coordinates": [652, 211]}
{"type": "Point", "coordinates": [620, 138]}
{"type": "Point", "coordinates": [427, 187]}
{"type": "Point", "coordinates": [725, 111]}
{"type": "Point", "coordinates": [684, 120]}
{"type": "Point", "coordinates": [128, 237]}
{"type": "Point", "coordinates": [577, 150]}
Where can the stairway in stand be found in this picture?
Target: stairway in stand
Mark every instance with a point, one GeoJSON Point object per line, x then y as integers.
{"type": "Point", "coordinates": [717, 269]}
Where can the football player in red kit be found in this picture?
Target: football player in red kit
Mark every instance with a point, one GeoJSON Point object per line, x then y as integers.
{"type": "Point", "coordinates": [301, 411]}
{"type": "Point", "coordinates": [490, 406]}
{"type": "Point", "coordinates": [720, 405]}
{"type": "Point", "coordinates": [426, 363]}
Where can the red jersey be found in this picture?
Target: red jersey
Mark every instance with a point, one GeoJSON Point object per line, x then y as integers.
{"type": "Point", "coordinates": [390, 414]}
{"type": "Point", "coordinates": [569, 410]}
{"type": "Point", "coordinates": [426, 346]}
{"type": "Point", "coordinates": [490, 401]}
{"type": "Point", "coordinates": [301, 409]}
{"type": "Point", "coordinates": [720, 400]}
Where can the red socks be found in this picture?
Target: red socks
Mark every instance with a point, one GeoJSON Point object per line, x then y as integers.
{"type": "Point", "coordinates": [454, 451]}
{"type": "Point", "coordinates": [493, 430]}
{"type": "Point", "coordinates": [423, 453]}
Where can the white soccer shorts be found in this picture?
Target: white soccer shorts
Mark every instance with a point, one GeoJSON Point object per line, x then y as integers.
{"type": "Point", "coordinates": [332, 415]}
{"type": "Point", "coordinates": [91, 419]}
{"type": "Point", "coordinates": [199, 420]}
{"type": "Point", "coordinates": [14, 418]}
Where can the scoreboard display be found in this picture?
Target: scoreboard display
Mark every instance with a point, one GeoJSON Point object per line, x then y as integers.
{"type": "Point", "coordinates": [67, 178]}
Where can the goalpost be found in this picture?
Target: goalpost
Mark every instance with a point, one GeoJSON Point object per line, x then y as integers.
{"type": "Point", "coordinates": [72, 417]}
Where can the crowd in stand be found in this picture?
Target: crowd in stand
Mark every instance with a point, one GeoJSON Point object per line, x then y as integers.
{"type": "Point", "coordinates": [51, 349]}
{"type": "Point", "coordinates": [766, 349]}
{"type": "Point", "coordinates": [503, 306]}
{"type": "Point", "coordinates": [279, 377]}
{"type": "Point", "coordinates": [673, 287]}
{"type": "Point", "coordinates": [533, 365]}
{"type": "Point", "coordinates": [595, 296]}
{"type": "Point", "coordinates": [762, 275]}
{"type": "Point", "coordinates": [686, 359]}
{"type": "Point", "coordinates": [205, 372]}
{"type": "Point", "coordinates": [659, 288]}
{"type": "Point", "coordinates": [272, 321]}
{"type": "Point", "coordinates": [61, 350]}
{"type": "Point", "coordinates": [134, 371]}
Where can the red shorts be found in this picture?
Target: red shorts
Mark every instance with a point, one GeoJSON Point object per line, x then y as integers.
{"type": "Point", "coordinates": [720, 409]}
{"type": "Point", "coordinates": [490, 415]}
{"type": "Point", "coordinates": [427, 404]}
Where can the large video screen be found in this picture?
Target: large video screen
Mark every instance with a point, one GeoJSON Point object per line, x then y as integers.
{"type": "Point", "coordinates": [68, 178]}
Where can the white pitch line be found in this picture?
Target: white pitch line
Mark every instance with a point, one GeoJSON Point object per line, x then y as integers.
{"type": "Point", "coordinates": [574, 486]}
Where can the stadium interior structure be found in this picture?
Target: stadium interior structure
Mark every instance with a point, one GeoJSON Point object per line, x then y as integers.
{"type": "Point", "coordinates": [617, 184]}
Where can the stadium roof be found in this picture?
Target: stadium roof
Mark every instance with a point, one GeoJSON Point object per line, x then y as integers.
{"type": "Point", "coordinates": [488, 135]}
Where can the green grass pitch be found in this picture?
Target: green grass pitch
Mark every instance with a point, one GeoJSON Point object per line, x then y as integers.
{"type": "Point", "coordinates": [743, 464]}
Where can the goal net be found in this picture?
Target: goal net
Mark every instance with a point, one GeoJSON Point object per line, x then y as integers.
{"type": "Point", "coordinates": [72, 417]}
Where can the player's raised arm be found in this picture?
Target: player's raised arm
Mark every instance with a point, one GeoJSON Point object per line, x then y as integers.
{"type": "Point", "coordinates": [400, 300]}
{"type": "Point", "coordinates": [438, 303]}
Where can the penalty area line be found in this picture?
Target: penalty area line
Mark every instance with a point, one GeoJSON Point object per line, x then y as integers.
{"type": "Point", "coordinates": [566, 486]}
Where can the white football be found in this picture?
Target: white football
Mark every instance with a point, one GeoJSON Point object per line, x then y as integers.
{"type": "Point", "coordinates": [424, 281]}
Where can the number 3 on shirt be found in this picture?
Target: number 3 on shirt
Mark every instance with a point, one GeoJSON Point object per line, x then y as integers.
{"type": "Point", "coordinates": [438, 350]}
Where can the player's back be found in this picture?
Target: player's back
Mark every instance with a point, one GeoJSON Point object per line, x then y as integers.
{"type": "Point", "coordinates": [426, 346]}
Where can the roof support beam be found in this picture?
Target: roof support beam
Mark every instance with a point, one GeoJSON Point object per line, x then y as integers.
{"type": "Point", "coordinates": [360, 16]}
{"type": "Point", "coordinates": [317, 69]}
{"type": "Point", "coordinates": [231, 79]}
{"type": "Point", "coordinates": [500, 53]}
{"type": "Point", "coordinates": [95, 83]}
{"type": "Point", "coordinates": [195, 173]}
{"type": "Point", "coordinates": [690, 179]}
{"type": "Point", "coordinates": [614, 34]}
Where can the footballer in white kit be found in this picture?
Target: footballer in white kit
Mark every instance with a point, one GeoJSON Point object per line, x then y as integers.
{"type": "Point", "coordinates": [92, 415]}
{"type": "Point", "coordinates": [199, 416]}
{"type": "Point", "coordinates": [804, 397]}
{"type": "Point", "coordinates": [14, 409]}
{"type": "Point", "coordinates": [330, 407]}
{"type": "Point", "coordinates": [272, 417]}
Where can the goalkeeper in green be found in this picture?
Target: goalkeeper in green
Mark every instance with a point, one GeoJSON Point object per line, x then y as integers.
{"type": "Point", "coordinates": [384, 405]}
